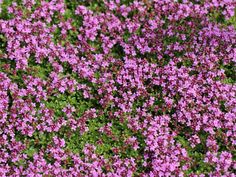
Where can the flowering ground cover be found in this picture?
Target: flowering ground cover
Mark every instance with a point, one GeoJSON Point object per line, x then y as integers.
{"type": "Point", "coordinates": [117, 88]}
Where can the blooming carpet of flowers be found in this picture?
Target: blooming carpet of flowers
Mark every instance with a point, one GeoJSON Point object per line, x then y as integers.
{"type": "Point", "coordinates": [117, 88]}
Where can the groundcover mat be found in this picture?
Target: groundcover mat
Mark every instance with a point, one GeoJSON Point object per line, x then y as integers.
{"type": "Point", "coordinates": [117, 88]}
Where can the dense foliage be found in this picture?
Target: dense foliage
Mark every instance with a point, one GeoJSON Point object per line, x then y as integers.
{"type": "Point", "coordinates": [117, 88]}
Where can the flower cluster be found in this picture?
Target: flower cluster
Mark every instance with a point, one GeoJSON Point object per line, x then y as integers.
{"type": "Point", "coordinates": [117, 88]}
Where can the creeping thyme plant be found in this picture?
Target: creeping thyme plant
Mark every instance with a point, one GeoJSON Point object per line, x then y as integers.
{"type": "Point", "coordinates": [117, 88]}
